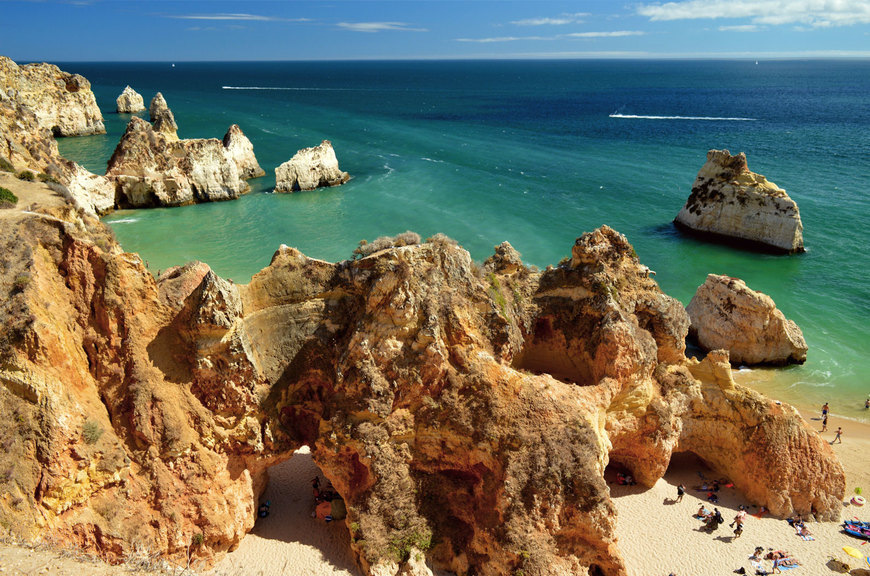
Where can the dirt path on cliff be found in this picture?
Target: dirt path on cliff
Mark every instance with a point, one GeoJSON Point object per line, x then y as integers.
{"type": "Point", "coordinates": [28, 193]}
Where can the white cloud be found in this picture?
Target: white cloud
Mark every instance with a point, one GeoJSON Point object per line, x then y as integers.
{"type": "Point", "coordinates": [559, 21]}
{"type": "Point", "coordinates": [378, 26]}
{"type": "Point", "coordinates": [235, 17]}
{"type": "Point", "coordinates": [502, 39]}
{"type": "Point", "coordinates": [742, 28]}
{"type": "Point", "coordinates": [814, 13]}
{"type": "Point", "coordinates": [613, 34]}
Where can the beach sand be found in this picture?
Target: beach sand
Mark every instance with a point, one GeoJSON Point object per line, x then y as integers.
{"type": "Point", "coordinates": [289, 540]}
{"type": "Point", "coordinates": [658, 536]}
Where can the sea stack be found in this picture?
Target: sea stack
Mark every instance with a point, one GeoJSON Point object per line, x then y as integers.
{"type": "Point", "coordinates": [310, 168]}
{"type": "Point", "coordinates": [62, 102]}
{"type": "Point", "coordinates": [162, 118]}
{"type": "Point", "coordinates": [240, 149]}
{"type": "Point", "coordinates": [727, 314]}
{"type": "Point", "coordinates": [731, 203]}
{"type": "Point", "coordinates": [154, 169]}
{"type": "Point", "coordinates": [130, 101]}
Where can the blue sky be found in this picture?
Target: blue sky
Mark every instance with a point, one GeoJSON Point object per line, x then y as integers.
{"type": "Point", "coordinates": [87, 30]}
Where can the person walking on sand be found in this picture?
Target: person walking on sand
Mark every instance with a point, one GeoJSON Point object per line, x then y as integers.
{"type": "Point", "coordinates": [825, 410]}
{"type": "Point", "coordinates": [837, 438]}
{"type": "Point", "coordinates": [681, 490]}
{"type": "Point", "coordinates": [867, 404]}
{"type": "Point", "coordinates": [825, 423]}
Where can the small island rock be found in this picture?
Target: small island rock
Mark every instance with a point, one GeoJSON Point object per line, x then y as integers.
{"type": "Point", "coordinates": [162, 118]}
{"type": "Point", "coordinates": [730, 201]}
{"type": "Point", "coordinates": [130, 101]}
{"type": "Point", "coordinates": [310, 168]}
{"type": "Point", "coordinates": [62, 102]}
{"type": "Point", "coordinates": [727, 314]}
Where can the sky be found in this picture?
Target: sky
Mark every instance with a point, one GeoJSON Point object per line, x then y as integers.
{"type": "Point", "coordinates": [195, 30]}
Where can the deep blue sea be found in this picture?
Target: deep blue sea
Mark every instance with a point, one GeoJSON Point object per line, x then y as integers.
{"type": "Point", "coordinates": [536, 153]}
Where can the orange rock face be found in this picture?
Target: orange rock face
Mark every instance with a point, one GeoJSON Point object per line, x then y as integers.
{"type": "Point", "coordinates": [466, 413]}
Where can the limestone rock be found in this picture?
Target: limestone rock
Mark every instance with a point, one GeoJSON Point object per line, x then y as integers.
{"type": "Point", "coordinates": [727, 314]}
{"type": "Point", "coordinates": [310, 168]}
{"type": "Point", "coordinates": [466, 416]}
{"type": "Point", "coordinates": [27, 146]}
{"type": "Point", "coordinates": [62, 102]}
{"type": "Point", "coordinates": [130, 101]}
{"type": "Point", "coordinates": [730, 201]}
{"type": "Point", "coordinates": [162, 118]}
{"type": "Point", "coordinates": [241, 151]}
{"type": "Point", "coordinates": [151, 169]}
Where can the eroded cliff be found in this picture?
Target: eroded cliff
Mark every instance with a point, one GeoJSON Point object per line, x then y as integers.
{"type": "Point", "coordinates": [464, 413]}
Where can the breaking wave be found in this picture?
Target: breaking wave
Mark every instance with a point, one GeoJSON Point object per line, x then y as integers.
{"type": "Point", "coordinates": [295, 88]}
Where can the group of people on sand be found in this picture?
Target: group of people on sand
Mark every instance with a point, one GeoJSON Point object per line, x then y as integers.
{"type": "Point", "coordinates": [713, 519]}
{"type": "Point", "coordinates": [779, 558]}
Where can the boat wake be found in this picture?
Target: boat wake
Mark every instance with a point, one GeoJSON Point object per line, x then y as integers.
{"type": "Point", "coordinates": [294, 88]}
{"type": "Point", "coordinates": [717, 118]}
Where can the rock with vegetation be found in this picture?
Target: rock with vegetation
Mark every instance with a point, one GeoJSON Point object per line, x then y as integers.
{"type": "Point", "coordinates": [162, 118]}
{"type": "Point", "coordinates": [151, 169]}
{"type": "Point", "coordinates": [730, 202]}
{"type": "Point", "coordinates": [727, 314]}
{"type": "Point", "coordinates": [63, 103]}
{"type": "Point", "coordinates": [465, 415]}
{"type": "Point", "coordinates": [310, 168]}
{"type": "Point", "coordinates": [7, 198]}
{"type": "Point", "coordinates": [130, 101]}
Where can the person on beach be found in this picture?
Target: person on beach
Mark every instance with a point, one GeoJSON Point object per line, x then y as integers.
{"type": "Point", "coordinates": [837, 438]}
{"type": "Point", "coordinates": [867, 404]}
{"type": "Point", "coordinates": [825, 410]}
{"type": "Point", "coordinates": [681, 490]}
{"type": "Point", "coordinates": [703, 513]}
{"type": "Point", "coordinates": [740, 518]}
{"type": "Point", "coordinates": [825, 423]}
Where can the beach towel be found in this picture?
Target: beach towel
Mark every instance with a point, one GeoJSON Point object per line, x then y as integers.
{"type": "Point", "coordinates": [759, 569]}
{"type": "Point", "coordinates": [806, 537]}
{"type": "Point", "coordinates": [788, 567]}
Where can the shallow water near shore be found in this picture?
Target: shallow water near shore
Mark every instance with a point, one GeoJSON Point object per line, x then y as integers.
{"type": "Point", "coordinates": [535, 153]}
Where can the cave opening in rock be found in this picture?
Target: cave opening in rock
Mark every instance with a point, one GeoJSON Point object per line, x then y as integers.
{"type": "Point", "coordinates": [616, 471]}
{"type": "Point", "coordinates": [292, 539]}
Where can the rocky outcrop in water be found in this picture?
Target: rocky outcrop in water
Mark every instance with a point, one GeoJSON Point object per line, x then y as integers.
{"type": "Point", "coordinates": [162, 118]}
{"type": "Point", "coordinates": [151, 169]}
{"type": "Point", "coordinates": [465, 415]}
{"type": "Point", "coordinates": [63, 103]}
{"type": "Point", "coordinates": [240, 149]}
{"type": "Point", "coordinates": [729, 201]}
{"type": "Point", "coordinates": [310, 168]}
{"type": "Point", "coordinates": [130, 101]}
{"type": "Point", "coordinates": [727, 314]}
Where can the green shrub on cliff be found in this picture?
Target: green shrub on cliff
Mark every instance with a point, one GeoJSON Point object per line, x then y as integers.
{"type": "Point", "coordinates": [7, 198]}
{"type": "Point", "coordinates": [6, 165]}
{"type": "Point", "coordinates": [91, 432]}
{"type": "Point", "coordinates": [26, 175]}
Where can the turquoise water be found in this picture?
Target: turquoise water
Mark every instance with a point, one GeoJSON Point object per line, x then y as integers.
{"type": "Point", "coordinates": [528, 152]}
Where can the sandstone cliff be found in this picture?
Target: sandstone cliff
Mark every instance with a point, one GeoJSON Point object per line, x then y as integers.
{"type": "Point", "coordinates": [727, 314]}
{"type": "Point", "coordinates": [730, 201]}
{"type": "Point", "coordinates": [466, 415]}
{"type": "Point", "coordinates": [310, 168]}
{"type": "Point", "coordinates": [62, 102]}
{"type": "Point", "coordinates": [151, 169]}
{"type": "Point", "coordinates": [130, 101]}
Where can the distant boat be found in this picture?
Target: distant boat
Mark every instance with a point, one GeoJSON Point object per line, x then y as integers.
{"type": "Point", "coordinates": [756, 63]}
{"type": "Point", "coordinates": [173, 64]}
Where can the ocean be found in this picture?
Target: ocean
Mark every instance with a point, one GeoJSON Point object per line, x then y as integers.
{"type": "Point", "coordinates": [535, 153]}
